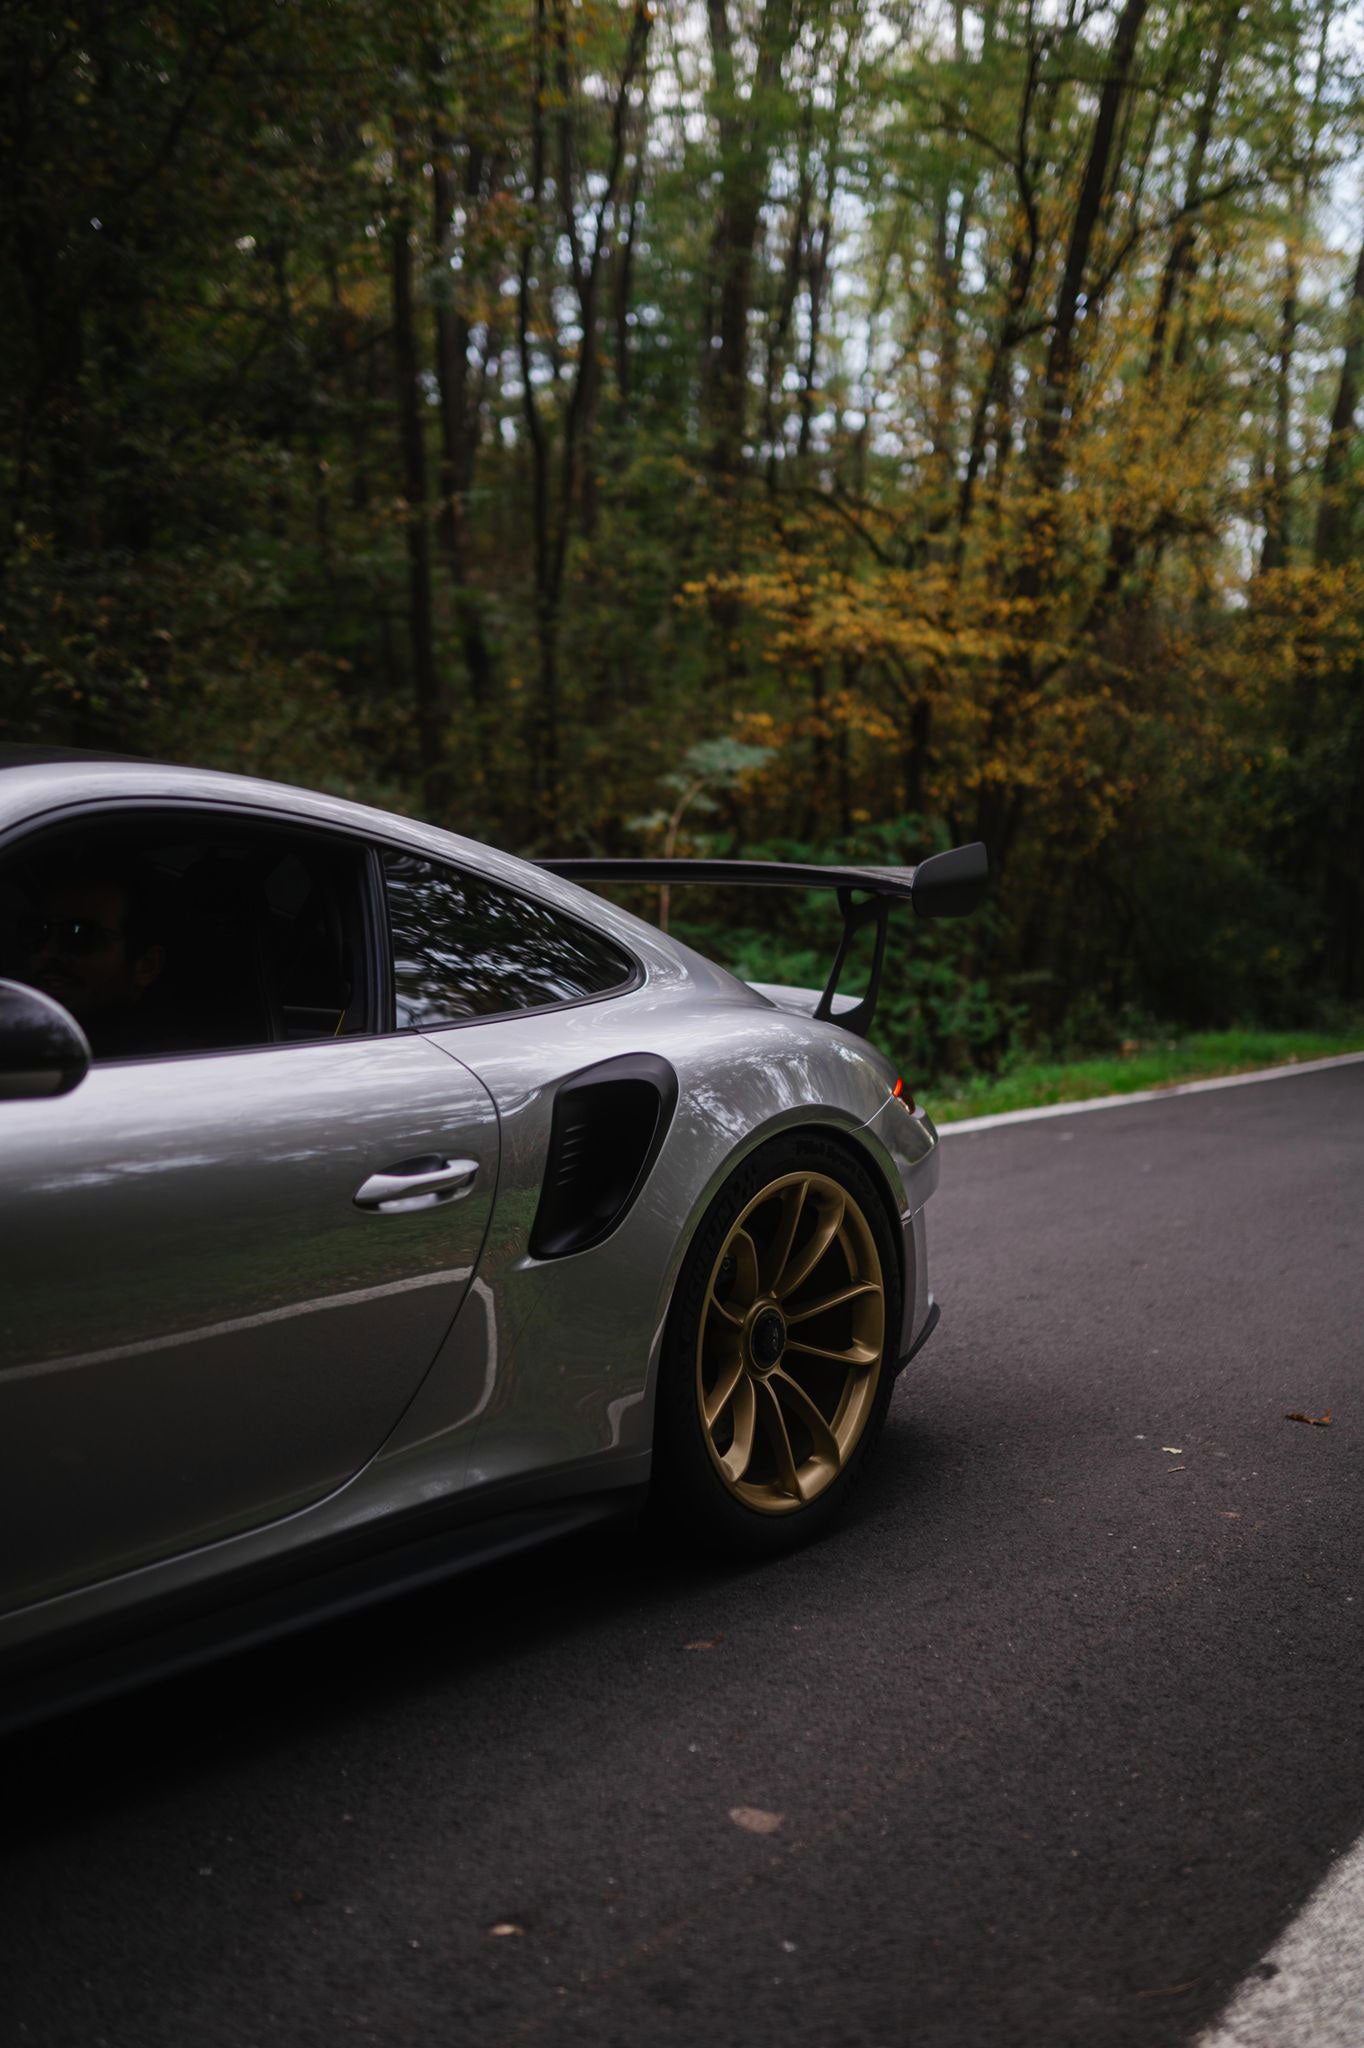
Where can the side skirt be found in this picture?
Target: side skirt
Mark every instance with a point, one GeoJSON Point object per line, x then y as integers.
{"type": "Point", "coordinates": [80, 1681]}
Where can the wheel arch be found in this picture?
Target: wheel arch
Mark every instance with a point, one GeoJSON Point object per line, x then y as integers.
{"type": "Point", "coordinates": [852, 1140]}
{"type": "Point", "coordinates": [766, 1513]}
{"type": "Point", "coordinates": [826, 1121]}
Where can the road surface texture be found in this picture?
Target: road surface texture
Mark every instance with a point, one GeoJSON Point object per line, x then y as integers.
{"type": "Point", "coordinates": [1062, 1726]}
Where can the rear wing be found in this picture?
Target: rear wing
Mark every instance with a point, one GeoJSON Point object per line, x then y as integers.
{"type": "Point", "coordinates": [947, 884]}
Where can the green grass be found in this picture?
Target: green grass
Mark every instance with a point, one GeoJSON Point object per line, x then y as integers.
{"type": "Point", "coordinates": [1146, 1063]}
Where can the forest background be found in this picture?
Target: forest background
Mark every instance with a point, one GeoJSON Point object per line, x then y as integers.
{"type": "Point", "coordinates": [822, 429]}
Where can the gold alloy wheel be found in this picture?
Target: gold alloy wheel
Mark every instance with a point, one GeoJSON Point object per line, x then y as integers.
{"type": "Point", "coordinates": [792, 1338]}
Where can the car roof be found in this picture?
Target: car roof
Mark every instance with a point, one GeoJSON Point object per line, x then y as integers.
{"type": "Point", "coordinates": [21, 754]}
{"type": "Point", "coordinates": [50, 779]}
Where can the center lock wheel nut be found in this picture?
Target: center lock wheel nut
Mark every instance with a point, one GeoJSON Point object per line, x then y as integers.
{"type": "Point", "coordinates": [767, 1339]}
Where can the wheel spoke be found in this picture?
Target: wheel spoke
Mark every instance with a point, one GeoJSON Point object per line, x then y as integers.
{"type": "Point", "coordinates": [722, 1393]}
{"type": "Point", "coordinates": [779, 1251]}
{"type": "Point", "coordinates": [774, 1428]}
{"type": "Point", "coordinates": [746, 1282]}
{"type": "Point", "coordinates": [735, 1462]}
{"type": "Point", "coordinates": [726, 1314]}
{"type": "Point", "coordinates": [817, 1308]}
{"type": "Point", "coordinates": [855, 1356]}
{"type": "Point", "coordinates": [821, 1435]}
{"type": "Point", "coordinates": [799, 1268]}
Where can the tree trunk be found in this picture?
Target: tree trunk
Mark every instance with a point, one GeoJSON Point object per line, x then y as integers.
{"type": "Point", "coordinates": [745, 149]}
{"type": "Point", "coordinates": [1274, 553]}
{"type": "Point", "coordinates": [458, 421]}
{"type": "Point", "coordinates": [1090, 212]}
{"type": "Point", "coordinates": [1179, 259]}
{"type": "Point", "coordinates": [1125, 539]}
{"type": "Point", "coordinates": [1022, 263]}
{"type": "Point", "coordinates": [623, 278]}
{"type": "Point", "coordinates": [551, 513]}
{"type": "Point", "coordinates": [1278, 501]}
{"type": "Point", "coordinates": [1333, 511]}
{"type": "Point", "coordinates": [430, 709]}
{"type": "Point", "coordinates": [779, 326]}
{"type": "Point", "coordinates": [818, 282]}
{"type": "Point", "coordinates": [542, 737]}
{"type": "Point", "coordinates": [452, 356]}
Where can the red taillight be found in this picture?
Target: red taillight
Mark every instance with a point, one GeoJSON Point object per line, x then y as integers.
{"type": "Point", "coordinates": [902, 1094]}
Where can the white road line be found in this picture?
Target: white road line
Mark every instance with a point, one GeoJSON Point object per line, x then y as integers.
{"type": "Point", "coordinates": [1025, 1116]}
{"type": "Point", "coordinates": [1314, 1994]}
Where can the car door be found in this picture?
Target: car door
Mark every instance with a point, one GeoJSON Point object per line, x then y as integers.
{"type": "Point", "coordinates": [225, 1276]}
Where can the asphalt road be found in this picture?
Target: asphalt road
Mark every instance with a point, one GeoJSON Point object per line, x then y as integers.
{"type": "Point", "coordinates": [1061, 1726]}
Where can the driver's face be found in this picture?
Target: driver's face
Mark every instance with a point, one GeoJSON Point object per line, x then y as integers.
{"type": "Point", "coordinates": [82, 956]}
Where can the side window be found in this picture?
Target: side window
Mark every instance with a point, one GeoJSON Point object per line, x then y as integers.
{"type": "Point", "coordinates": [464, 947]}
{"type": "Point", "coordinates": [168, 933]}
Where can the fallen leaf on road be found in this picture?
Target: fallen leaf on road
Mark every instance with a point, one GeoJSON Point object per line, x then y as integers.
{"type": "Point", "coordinates": [1174, 1450]}
{"type": "Point", "coordinates": [1230, 1514]}
{"type": "Point", "coordinates": [506, 1927]}
{"type": "Point", "coordinates": [706, 1643]}
{"type": "Point", "coordinates": [1317, 1421]}
{"type": "Point", "coordinates": [755, 1819]}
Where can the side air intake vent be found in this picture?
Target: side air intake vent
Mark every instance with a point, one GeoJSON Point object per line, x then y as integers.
{"type": "Point", "coordinates": [609, 1122]}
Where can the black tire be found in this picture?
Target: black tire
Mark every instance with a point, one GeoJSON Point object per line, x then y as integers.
{"type": "Point", "coordinates": [695, 1501]}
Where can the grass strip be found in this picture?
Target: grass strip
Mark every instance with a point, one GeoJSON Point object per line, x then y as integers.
{"type": "Point", "coordinates": [1147, 1063]}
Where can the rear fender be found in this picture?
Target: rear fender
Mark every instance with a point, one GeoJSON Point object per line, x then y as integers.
{"type": "Point", "coordinates": [557, 1368]}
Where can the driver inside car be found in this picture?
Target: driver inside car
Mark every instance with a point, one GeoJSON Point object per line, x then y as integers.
{"type": "Point", "coordinates": [96, 946]}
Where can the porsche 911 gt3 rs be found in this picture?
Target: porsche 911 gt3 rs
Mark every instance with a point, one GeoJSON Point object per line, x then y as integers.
{"type": "Point", "coordinates": [373, 1201]}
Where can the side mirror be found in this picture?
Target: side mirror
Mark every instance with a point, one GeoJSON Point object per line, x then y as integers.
{"type": "Point", "coordinates": [43, 1050]}
{"type": "Point", "coordinates": [953, 883]}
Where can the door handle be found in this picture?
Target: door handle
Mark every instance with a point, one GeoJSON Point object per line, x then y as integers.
{"type": "Point", "coordinates": [416, 1184]}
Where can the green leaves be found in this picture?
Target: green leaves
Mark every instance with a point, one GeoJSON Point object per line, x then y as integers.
{"type": "Point", "coordinates": [785, 562]}
{"type": "Point", "coordinates": [722, 761]}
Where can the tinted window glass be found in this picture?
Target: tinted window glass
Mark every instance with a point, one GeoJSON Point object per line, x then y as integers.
{"type": "Point", "coordinates": [170, 935]}
{"type": "Point", "coordinates": [463, 947]}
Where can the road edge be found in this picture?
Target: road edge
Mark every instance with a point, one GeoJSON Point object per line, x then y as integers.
{"type": "Point", "coordinates": [965, 1125]}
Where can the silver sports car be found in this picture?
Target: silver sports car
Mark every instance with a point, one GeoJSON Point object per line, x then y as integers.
{"type": "Point", "coordinates": [373, 1202]}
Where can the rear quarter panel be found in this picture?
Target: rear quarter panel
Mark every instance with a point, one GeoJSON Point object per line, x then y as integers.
{"type": "Point", "coordinates": [567, 1382]}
